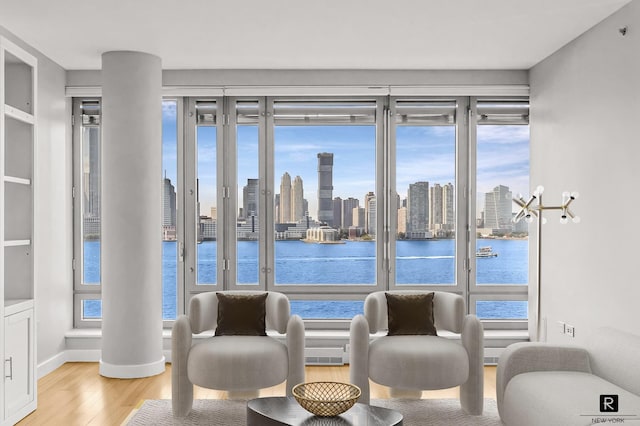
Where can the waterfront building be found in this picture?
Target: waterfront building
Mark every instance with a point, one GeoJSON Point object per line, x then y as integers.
{"type": "Point", "coordinates": [325, 187]}
{"type": "Point", "coordinates": [402, 220]}
{"type": "Point", "coordinates": [448, 207]}
{"type": "Point", "coordinates": [372, 215]}
{"type": "Point", "coordinates": [497, 210]}
{"type": "Point", "coordinates": [368, 196]}
{"type": "Point", "coordinates": [337, 213]}
{"type": "Point", "coordinates": [358, 217]}
{"type": "Point", "coordinates": [347, 211]}
{"type": "Point", "coordinates": [285, 198]}
{"type": "Point", "coordinates": [436, 207]}
{"type": "Point", "coordinates": [297, 199]}
{"type": "Point", "coordinates": [322, 234]}
{"type": "Point", "coordinates": [418, 210]}
{"type": "Point", "coordinates": [250, 198]}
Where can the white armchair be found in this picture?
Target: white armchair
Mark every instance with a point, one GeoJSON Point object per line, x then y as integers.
{"type": "Point", "coordinates": [239, 364]}
{"type": "Point", "coordinates": [412, 363]}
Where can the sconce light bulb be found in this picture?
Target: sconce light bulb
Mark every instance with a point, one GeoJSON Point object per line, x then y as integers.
{"type": "Point", "coordinates": [539, 190]}
{"type": "Point", "coordinates": [575, 194]}
{"type": "Point", "coordinates": [576, 219]}
{"type": "Point", "coordinates": [566, 194]}
{"type": "Point", "coordinates": [563, 219]}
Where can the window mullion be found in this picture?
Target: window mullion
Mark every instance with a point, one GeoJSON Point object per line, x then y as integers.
{"type": "Point", "coordinates": [267, 220]}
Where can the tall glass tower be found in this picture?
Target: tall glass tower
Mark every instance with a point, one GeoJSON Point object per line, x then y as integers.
{"type": "Point", "coordinates": [325, 188]}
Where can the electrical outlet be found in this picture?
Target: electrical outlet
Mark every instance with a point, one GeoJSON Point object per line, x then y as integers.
{"type": "Point", "coordinates": [570, 330]}
{"type": "Point", "coordinates": [562, 327]}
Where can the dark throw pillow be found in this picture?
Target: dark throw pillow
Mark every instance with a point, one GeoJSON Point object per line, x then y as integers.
{"type": "Point", "coordinates": [241, 315]}
{"type": "Point", "coordinates": [410, 314]}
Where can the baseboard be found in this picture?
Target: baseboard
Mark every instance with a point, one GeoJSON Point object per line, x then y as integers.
{"type": "Point", "coordinates": [51, 364]}
{"type": "Point", "coordinates": [76, 355]}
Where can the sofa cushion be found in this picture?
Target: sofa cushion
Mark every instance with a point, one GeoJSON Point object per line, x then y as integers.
{"type": "Point", "coordinates": [238, 363]}
{"type": "Point", "coordinates": [561, 398]}
{"type": "Point", "coordinates": [410, 314]}
{"type": "Point", "coordinates": [418, 362]}
{"type": "Point", "coordinates": [241, 315]}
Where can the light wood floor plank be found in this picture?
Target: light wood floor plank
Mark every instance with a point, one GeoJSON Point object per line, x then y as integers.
{"type": "Point", "coordinates": [76, 394]}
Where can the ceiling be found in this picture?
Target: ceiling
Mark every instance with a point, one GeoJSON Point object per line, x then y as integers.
{"type": "Point", "coordinates": [304, 34]}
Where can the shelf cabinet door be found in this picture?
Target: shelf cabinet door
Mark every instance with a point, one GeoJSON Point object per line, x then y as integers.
{"type": "Point", "coordinates": [18, 363]}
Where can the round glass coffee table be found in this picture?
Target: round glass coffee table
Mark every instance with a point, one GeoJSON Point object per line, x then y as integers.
{"type": "Point", "coordinates": [282, 410]}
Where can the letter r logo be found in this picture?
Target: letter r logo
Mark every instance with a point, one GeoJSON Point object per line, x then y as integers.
{"type": "Point", "coordinates": [608, 403]}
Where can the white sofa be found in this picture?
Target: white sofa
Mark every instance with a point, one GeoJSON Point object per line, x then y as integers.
{"type": "Point", "coordinates": [544, 384]}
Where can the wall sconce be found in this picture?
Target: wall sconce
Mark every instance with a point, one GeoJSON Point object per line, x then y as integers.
{"type": "Point", "coordinates": [533, 208]}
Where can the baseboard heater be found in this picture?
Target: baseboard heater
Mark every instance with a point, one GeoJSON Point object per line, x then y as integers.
{"type": "Point", "coordinates": [324, 356]}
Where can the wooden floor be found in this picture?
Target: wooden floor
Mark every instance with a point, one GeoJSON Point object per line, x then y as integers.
{"type": "Point", "coordinates": [76, 394]}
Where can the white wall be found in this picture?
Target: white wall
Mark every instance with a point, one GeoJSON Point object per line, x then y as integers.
{"type": "Point", "coordinates": [53, 218]}
{"type": "Point", "coordinates": [585, 115]}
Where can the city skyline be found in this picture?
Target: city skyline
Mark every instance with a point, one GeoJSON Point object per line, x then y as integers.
{"type": "Point", "coordinates": [423, 153]}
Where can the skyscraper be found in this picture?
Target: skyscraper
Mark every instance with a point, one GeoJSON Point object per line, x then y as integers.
{"type": "Point", "coordinates": [325, 188]}
{"type": "Point", "coordinates": [448, 205]}
{"type": "Point", "coordinates": [250, 198]}
{"type": "Point", "coordinates": [372, 214]}
{"type": "Point", "coordinates": [297, 200]}
{"type": "Point", "coordinates": [347, 211]}
{"type": "Point", "coordinates": [337, 213]}
{"type": "Point", "coordinates": [285, 198]}
{"type": "Point", "coordinates": [368, 196]}
{"type": "Point", "coordinates": [418, 210]}
{"type": "Point", "coordinates": [497, 208]}
{"type": "Point", "coordinates": [436, 207]}
{"type": "Point", "coordinates": [168, 203]}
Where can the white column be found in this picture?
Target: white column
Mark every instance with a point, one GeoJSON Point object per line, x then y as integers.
{"type": "Point", "coordinates": [131, 245]}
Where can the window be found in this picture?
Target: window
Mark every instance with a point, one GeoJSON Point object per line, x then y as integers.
{"type": "Point", "coordinates": [502, 172]}
{"type": "Point", "coordinates": [327, 200]}
{"type": "Point", "coordinates": [170, 203]}
{"type": "Point", "coordinates": [425, 183]}
{"type": "Point", "coordinates": [86, 197]}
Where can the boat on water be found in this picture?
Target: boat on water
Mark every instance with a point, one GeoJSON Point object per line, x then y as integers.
{"type": "Point", "coordinates": [486, 252]}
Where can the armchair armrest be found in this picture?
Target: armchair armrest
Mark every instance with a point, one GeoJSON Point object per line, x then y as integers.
{"type": "Point", "coordinates": [472, 392]}
{"type": "Point", "coordinates": [528, 357]}
{"type": "Point", "coordinates": [295, 349]}
{"type": "Point", "coordinates": [359, 355]}
{"type": "Point", "coordinates": [181, 387]}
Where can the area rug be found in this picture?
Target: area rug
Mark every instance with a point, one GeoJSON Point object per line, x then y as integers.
{"type": "Point", "coordinates": [424, 412]}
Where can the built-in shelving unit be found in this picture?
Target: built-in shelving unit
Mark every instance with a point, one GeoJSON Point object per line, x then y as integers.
{"type": "Point", "coordinates": [18, 76]}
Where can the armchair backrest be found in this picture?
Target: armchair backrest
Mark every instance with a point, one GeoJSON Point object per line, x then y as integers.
{"type": "Point", "coordinates": [448, 310]}
{"type": "Point", "coordinates": [203, 310]}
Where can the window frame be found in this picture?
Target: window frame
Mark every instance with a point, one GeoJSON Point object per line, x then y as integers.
{"type": "Point", "coordinates": [227, 203]}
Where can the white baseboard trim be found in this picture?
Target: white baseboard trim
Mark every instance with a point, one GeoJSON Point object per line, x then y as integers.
{"type": "Point", "coordinates": [133, 371]}
{"type": "Point", "coordinates": [77, 355]}
{"type": "Point", "coordinates": [51, 364]}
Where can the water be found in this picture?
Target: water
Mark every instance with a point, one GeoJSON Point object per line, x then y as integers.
{"type": "Point", "coordinates": [353, 263]}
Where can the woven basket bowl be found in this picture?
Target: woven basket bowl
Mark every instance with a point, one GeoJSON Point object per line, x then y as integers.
{"type": "Point", "coordinates": [326, 399]}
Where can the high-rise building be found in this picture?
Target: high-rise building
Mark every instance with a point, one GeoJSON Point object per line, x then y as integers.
{"type": "Point", "coordinates": [497, 208]}
{"type": "Point", "coordinates": [285, 198]}
{"type": "Point", "coordinates": [250, 198]}
{"type": "Point", "coordinates": [347, 211]}
{"type": "Point", "coordinates": [448, 206]}
{"type": "Point", "coordinates": [358, 217]}
{"type": "Point", "coordinates": [337, 213]}
{"type": "Point", "coordinates": [436, 207]}
{"type": "Point", "coordinates": [402, 220]}
{"type": "Point", "coordinates": [372, 215]}
{"type": "Point", "coordinates": [325, 188]}
{"type": "Point", "coordinates": [368, 196]}
{"type": "Point", "coordinates": [297, 200]}
{"type": "Point", "coordinates": [418, 210]}
{"type": "Point", "coordinates": [168, 203]}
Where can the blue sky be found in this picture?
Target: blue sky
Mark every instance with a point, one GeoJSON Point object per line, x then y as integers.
{"type": "Point", "coordinates": [423, 154]}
